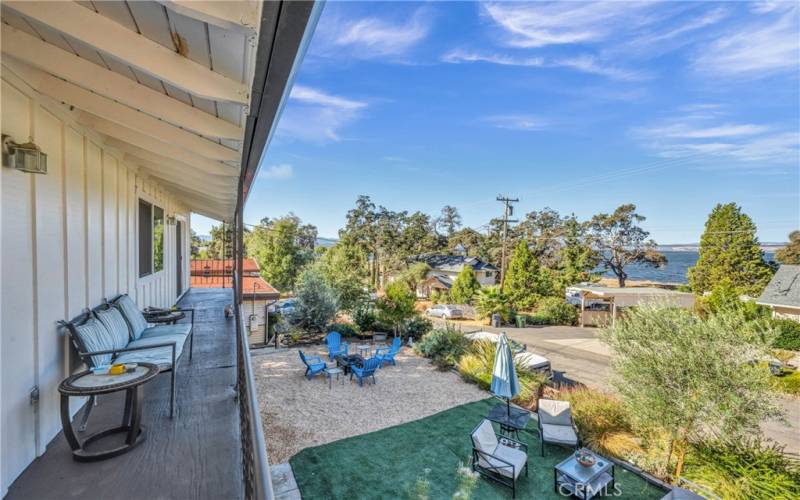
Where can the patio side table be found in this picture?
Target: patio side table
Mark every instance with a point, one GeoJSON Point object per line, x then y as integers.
{"type": "Point", "coordinates": [364, 350]}
{"type": "Point", "coordinates": [511, 423]}
{"type": "Point", "coordinates": [329, 372]}
{"type": "Point", "coordinates": [170, 318]}
{"type": "Point", "coordinates": [87, 383]}
{"type": "Point", "coordinates": [584, 482]}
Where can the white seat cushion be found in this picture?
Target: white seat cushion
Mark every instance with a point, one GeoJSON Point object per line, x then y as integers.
{"type": "Point", "coordinates": [515, 457]}
{"type": "Point", "coordinates": [161, 356]}
{"type": "Point", "coordinates": [161, 330]}
{"type": "Point", "coordinates": [562, 434]}
{"type": "Point", "coordinates": [484, 438]}
{"type": "Point", "coordinates": [554, 412]}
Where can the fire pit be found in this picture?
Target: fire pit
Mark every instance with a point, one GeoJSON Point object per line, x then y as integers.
{"type": "Point", "coordinates": [345, 362]}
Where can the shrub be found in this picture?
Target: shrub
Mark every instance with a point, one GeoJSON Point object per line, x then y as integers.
{"type": "Point", "coordinates": [492, 301]}
{"type": "Point", "coordinates": [788, 334]}
{"type": "Point", "coordinates": [417, 326]}
{"type": "Point", "coordinates": [316, 302]}
{"type": "Point", "coordinates": [346, 329]}
{"type": "Point", "coordinates": [465, 287]}
{"type": "Point", "coordinates": [444, 346]}
{"type": "Point", "coordinates": [364, 317]}
{"type": "Point", "coordinates": [476, 366]}
{"type": "Point", "coordinates": [557, 311]}
{"type": "Point", "coordinates": [438, 297]}
{"type": "Point", "coordinates": [744, 469]}
{"type": "Point", "coordinates": [397, 305]}
{"type": "Point", "coordinates": [788, 383]}
{"type": "Point", "coordinates": [602, 421]}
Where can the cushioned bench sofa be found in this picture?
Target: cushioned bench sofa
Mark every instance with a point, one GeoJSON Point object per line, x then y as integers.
{"type": "Point", "coordinates": [117, 332]}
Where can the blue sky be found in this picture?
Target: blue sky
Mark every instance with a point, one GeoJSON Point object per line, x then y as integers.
{"type": "Point", "coordinates": [575, 106]}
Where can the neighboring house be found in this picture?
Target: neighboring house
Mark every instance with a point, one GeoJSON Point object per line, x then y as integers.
{"type": "Point", "coordinates": [257, 294]}
{"type": "Point", "coordinates": [782, 294]}
{"type": "Point", "coordinates": [445, 268]}
{"type": "Point", "coordinates": [601, 305]}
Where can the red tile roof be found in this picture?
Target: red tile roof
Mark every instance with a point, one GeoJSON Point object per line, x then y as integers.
{"type": "Point", "coordinates": [250, 285]}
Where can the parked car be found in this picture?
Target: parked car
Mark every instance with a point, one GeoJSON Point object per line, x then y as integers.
{"type": "Point", "coordinates": [445, 311]}
{"type": "Point", "coordinates": [283, 307]}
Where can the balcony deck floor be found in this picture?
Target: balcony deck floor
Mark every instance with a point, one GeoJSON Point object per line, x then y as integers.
{"type": "Point", "coordinates": [195, 455]}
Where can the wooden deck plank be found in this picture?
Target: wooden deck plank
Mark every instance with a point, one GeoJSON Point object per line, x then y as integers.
{"type": "Point", "coordinates": [195, 455]}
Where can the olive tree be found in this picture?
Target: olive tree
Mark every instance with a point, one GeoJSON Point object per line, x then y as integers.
{"type": "Point", "coordinates": [691, 377]}
{"type": "Point", "coordinates": [316, 301]}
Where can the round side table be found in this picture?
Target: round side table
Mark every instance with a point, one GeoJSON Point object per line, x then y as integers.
{"type": "Point", "coordinates": [169, 318]}
{"type": "Point", "coordinates": [87, 383]}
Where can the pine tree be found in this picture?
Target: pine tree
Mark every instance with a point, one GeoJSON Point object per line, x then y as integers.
{"type": "Point", "coordinates": [790, 254]}
{"type": "Point", "coordinates": [525, 280]}
{"type": "Point", "coordinates": [730, 253]}
{"type": "Point", "coordinates": [465, 287]}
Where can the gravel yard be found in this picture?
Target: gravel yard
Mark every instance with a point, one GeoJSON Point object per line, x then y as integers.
{"type": "Point", "coordinates": [298, 413]}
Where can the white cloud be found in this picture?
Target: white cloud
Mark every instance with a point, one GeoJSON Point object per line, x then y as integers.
{"type": "Point", "coordinates": [457, 56]}
{"type": "Point", "coordinates": [370, 37]}
{"type": "Point", "coordinates": [316, 116]}
{"type": "Point", "coordinates": [591, 64]}
{"type": "Point", "coordinates": [706, 138]}
{"type": "Point", "coordinates": [313, 96]}
{"type": "Point", "coordinates": [532, 25]}
{"type": "Point", "coordinates": [278, 172]}
{"type": "Point", "coordinates": [755, 50]}
{"type": "Point", "coordinates": [527, 123]}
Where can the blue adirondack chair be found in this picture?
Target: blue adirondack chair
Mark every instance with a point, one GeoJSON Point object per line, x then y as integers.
{"type": "Point", "coordinates": [314, 365]}
{"type": "Point", "coordinates": [366, 371]}
{"type": "Point", "coordinates": [386, 354]}
{"type": "Point", "coordinates": [335, 345]}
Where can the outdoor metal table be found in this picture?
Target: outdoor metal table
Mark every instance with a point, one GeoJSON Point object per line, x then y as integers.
{"type": "Point", "coordinates": [510, 424]}
{"type": "Point", "coordinates": [346, 362]}
{"type": "Point", "coordinates": [170, 318]}
{"type": "Point", "coordinates": [87, 383]}
{"type": "Point", "coordinates": [333, 371]}
{"type": "Point", "coordinates": [364, 350]}
{"type": "Point", "coordinates": [584, 482]}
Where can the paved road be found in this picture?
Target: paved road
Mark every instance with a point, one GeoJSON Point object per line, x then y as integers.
{"type": "Point", "coordinates": [577, 354]}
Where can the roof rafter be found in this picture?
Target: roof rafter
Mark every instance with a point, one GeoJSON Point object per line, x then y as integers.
{"type": "Point", "coordinates": [137, 50]}
{"type": "Point", "coordinates": [149, 143]}
{"type": "Point", "coordinates": [240, 16]}
{"type": "Point", "coordinates": [123, 115]}
{"type": "Point", "coordinates": [63, 64]}
{"type": "Point", "coordinates": [158, 159]}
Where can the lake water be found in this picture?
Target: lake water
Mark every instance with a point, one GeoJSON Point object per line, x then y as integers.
{"type": "Point", "coordinates": [678, 263]}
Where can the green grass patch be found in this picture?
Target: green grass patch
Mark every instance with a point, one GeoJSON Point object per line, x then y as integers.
{"type": "Point", "coordinates": [389, 462]}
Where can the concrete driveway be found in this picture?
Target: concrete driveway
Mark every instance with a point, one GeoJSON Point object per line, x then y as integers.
{"type": "Point", "coordinates": [576, 354]}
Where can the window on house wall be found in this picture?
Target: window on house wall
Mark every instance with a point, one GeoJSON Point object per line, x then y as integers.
{"type": "Point", "coordinates": [151, 238]}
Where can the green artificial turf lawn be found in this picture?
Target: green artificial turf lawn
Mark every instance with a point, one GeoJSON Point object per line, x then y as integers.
{"type": "Point", "coordinates": [387, 463]}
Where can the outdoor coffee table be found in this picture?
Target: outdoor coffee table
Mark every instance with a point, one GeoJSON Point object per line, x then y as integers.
{"type": "Point", "coordinates": [364, 350]}
{"type": "Point", "coordinates": [511, 423]}
{"type": "Point", "coordinates": [87, 383]}
{"type": "Point", "coordinates": [329, 372]}
{"type": "Point", "coordinates": [584, 482]}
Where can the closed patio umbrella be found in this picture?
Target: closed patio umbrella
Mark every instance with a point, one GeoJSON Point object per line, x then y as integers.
{"type": "Point", "coordinates": [504, 375]}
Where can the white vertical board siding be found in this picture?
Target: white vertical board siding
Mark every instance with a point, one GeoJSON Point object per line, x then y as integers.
{"type": "Point", "coordinates": [69, 240]}
{"type": "Point", "coordinates": [50, 263]}
{"type": "Point", "coordinates": [17, 244]}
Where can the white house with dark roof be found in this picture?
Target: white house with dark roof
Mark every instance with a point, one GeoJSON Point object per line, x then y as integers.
{"type": "Point", "coordinates": [782, 294]}
{"type": "Point", "coordinates": [445, 268]}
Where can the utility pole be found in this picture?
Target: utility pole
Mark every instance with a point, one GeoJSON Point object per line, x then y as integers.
{"type": "Point", "coordinates": [508, 211]}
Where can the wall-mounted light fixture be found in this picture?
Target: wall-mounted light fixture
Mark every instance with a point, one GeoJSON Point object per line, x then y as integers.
{"type": "Point", "coordinates": [171, 220]}
{"type": "Point", "coordinates": [26, 157]}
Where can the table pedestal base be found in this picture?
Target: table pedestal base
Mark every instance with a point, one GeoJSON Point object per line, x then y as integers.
{"type": "Point", "coordinates": [81, 455]}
